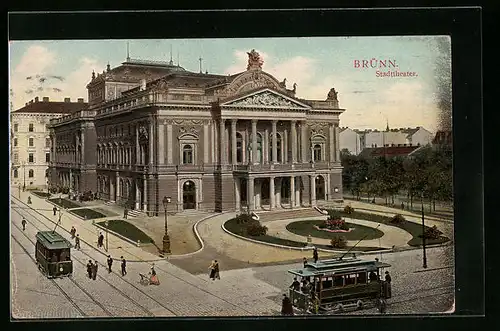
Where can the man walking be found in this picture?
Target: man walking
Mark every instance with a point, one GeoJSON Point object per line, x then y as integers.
{"type": "Point", "coordinates": [100, 240]}
{"type": "Point", "coordinates": [54, 210]}
{"type": "Point", "coordinates": [110, 263]}
{"type": "Point", "coordinates": [23, 222]}
{"type": "Point", "coordinates": [73, 232]}
{"type": "Point", "coordinates": [77, 241]}
{"type": "Point", "coordinates": [90, 268]}
{"type": "Point", "coordinates": [124, 266]}
{"type": "Point", "coordinates": [315, 254]}
{"type": "Point", "coordinates": [125, 213]}
{"type": "Point", "coordinates": [94, 271]}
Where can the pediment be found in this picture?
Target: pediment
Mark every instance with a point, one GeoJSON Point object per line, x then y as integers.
{"type": "Point", "coordinates": [266, 98]}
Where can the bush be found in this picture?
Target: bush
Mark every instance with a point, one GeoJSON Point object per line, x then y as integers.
{"type": "Point", "coordinates": [244, 219]}
{"type": "Point", "coordinates": [398, 219]}
{"type": "Point", "coordinates": [348, 209]}
{"type": "Point", "coordinates": [432, 233]}
{"type": "Point", "coordinates": [338, 242]}
{"type": "Point", "coordinates": [255, 229]}
{"type": "Point", "coordinates": [334, 214]}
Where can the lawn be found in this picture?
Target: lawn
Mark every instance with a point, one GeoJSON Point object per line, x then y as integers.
{"type": "Point", "coordinates": [64, 203]}
{"type": "Point", "coordinates": [88, 213]}
{"type": "Point", "coordinates": [305, 228]}
{"type": "Point", "coordinates": [232, 226]}
{"type": "Point", "coordinates": [412, 228]}
{"type": "Point", "coordinates": [41, 194]}
{"type": "Point", "coordinates": [127, 230]}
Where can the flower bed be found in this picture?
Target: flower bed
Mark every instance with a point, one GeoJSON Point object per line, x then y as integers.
{"type": "Point", "coordinates": [332, 230]}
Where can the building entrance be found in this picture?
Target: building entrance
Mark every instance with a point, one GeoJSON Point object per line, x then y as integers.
{"type": "Point", "coordinates": [189, 195]}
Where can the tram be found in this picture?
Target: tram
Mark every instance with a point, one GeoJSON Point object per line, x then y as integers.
{"type": "Point", "coordinates": [339, 284]}
{"type": "Point", "coordinates": [53, 254]}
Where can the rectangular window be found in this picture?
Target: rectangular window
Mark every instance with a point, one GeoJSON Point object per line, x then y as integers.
{"type": "Point", "coordinates": [16, 127]}
{"type": "Point", "coordinates": [15, 173]}
{"type": "Point", "coordinates": [16, 158]}
{"type": "Point", "coordinates": [30, 128]}
{"type": "Point", "coordinates": [47, 157]}
{"type": "Point", "coordinates": [31, 142]}
{"type": "Point", "coordinates": [15, 142]}
{"type": "Point", "coordinates": [31, 158]}
{"type": "Point", "coordinates": [47, 142]}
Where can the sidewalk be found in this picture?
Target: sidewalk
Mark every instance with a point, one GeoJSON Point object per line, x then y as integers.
{"type": "Point", "coordinates": [87, 231]}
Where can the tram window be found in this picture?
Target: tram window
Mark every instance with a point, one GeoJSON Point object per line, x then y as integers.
{"type": "Point", "coordinates": [65, 255]}
{"type": "Point", "coordinates": [327, 283]}
{"type": "Point", "coordinates": [338, 281]}
{"type": "Point", "coordinates": [362, 278]}
{"type": "Point", "coordinates": [350, 279]}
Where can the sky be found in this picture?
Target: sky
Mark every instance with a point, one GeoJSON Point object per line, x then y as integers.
{"type": "Point", "coordinates": [315, 64]}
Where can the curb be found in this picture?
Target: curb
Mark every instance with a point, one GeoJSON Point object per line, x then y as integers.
{"type": "Point", "coordinates": [137, 244]}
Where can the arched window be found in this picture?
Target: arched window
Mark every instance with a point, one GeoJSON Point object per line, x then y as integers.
{"type": "Point", "coordinates": [15, 142]}
{"type": "Point", "coordinates": [31, 173]}
{"type": "Point", "coordinates": [279, 145]}
{"type": "Point", "coordinates": [239, 148]}
{"type": "Point", "coordinates": [15, 173]}
{"type": "Point", "coordinates": [259, 148]}
{"type": "Point", "coordinates": [317, 152]}
{"type": "Point", "coordinates": [187, 154]}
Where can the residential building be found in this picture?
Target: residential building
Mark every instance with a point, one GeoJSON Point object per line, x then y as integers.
{"type": "Point", "coordinates": [389, 152]}
{"type": "Point", "coordinates": [207, 141]}
{"type": "Point", "coordinates": [30, 140]}
{"type": "Point", "coordinates": [350, 140]}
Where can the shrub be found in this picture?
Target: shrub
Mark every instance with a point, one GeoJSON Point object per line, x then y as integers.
{"type": "Point", "coordinates": [334, 214]}
{"type": "Point", "coordinates": [338, 242]}
{"type": "Point", "coordinates": [432, 233]}
{"type": "Point", "coordinates": [335, 224]}
{"type": "Point", "coordinates": [244, 218]}
{"type": "Point", "coordinates": [255, 229]}
{"type": "Point", "coordinates": [348, 209]}
{"type": "Point", "coordinates": [398, 219]}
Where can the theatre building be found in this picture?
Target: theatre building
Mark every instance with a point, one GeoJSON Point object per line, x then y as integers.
{"type": "Point", "coordinates": [210, 142]}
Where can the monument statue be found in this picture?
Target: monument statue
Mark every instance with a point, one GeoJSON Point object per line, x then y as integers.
{"type": "Point", "coordinates": [254, 60]}
{"type": "Point", "coordinates": [332, 95]}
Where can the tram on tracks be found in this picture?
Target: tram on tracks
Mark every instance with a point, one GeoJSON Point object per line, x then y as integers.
{"type": "Point", "coordinates": [339, 284]}
{"type": "Point", "coordinates": [53, 254]}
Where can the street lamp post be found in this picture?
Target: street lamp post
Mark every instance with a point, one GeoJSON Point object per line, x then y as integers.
{"type": "Point", "coordinates": [24, 175]}
{"type": "Point", "coordinates": [424, 265]}
{"type": "Point", "coordinates": [166, 238]}
{"type": "Point", "coordinates": [106, 223]}
{"type": "Point", "coordinates": [19, 187]}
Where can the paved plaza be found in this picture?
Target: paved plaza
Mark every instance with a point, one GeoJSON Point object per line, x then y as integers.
{"type": "Point", "coordinates": [253, 276]}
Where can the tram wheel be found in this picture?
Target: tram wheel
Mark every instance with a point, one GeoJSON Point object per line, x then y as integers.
{"type": "Point", "coordinates": [359, 305]}
{"type": "Point", "coordinates": [340, 307]}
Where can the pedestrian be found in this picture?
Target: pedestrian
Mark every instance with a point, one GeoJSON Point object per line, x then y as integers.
{"type": "Point", "coordinates": [90, 268]}
{"type": "Point", "coordinates": [402, 205]}
{"type": "Point", "coordinates": [304, 261]}
{"type": "Point", "coordinates": [73, 232]}
{"type": "Point", "coordinates": [94, 270]}
{"type": "Point", "coordinates": [216, 268]}
{"type": "Point", "coordinates": [315, 254]}
{"type": "Point", "coordinates": [211, 268]}
{"type": "Point", "coordinates": [23, 222]}
{"type": "Point", "coordinates": [286, 306]}
{"type": "Point", "coordinates": [100, 240]}
{"type": "Point", "coordinates": [125, 213]}
{"type": "Point", "coordinates": [388, 280]}
{"type": "Point", "coordinates": [29, 200]}
{"type": "Point", "coordinates": [54, 210]}
{"type": "Point", "coordinates": [124, 266]}
{"type": "Point", "coordinates": [77, 241]}
{"type": "Point", "coordinates": [295, 286]}
{"type": "Point", "coordinates": [110, 263]}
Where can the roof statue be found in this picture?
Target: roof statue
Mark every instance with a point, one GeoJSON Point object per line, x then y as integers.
{"type": "Point", "coordinates": [254, 60]}
{"type": "Point", "coordinates": [332, 95]}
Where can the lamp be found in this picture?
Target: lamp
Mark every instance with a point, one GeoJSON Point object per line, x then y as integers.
{"type": "Point", "coordinates": [336, 190]}
{"type": "Point", "coordinates": [166, 238]}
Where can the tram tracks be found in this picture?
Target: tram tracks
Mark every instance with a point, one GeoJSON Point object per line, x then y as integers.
{"type": "Point", "coordinates": [158, 303]}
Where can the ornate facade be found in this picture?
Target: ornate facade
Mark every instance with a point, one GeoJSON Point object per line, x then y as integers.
{"type": "Point", "coordinates": [211, 142]}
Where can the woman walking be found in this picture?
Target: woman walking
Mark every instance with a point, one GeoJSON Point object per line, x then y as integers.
{"type": "Point", "coordinates": [211, 268]}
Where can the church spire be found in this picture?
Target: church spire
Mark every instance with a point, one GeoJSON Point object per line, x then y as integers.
{"type": "Point", "coordinates": [128, 52]}
{"type": "Point", "coordinates": [171, 62]}
{"type": "Point", "coordinates": [387, 127]}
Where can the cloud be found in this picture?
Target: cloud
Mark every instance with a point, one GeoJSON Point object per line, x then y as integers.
{"type": "Point", "coordinates": [36, 76]}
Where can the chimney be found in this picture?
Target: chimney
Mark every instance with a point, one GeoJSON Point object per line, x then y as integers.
{"type": "Point", "coordinates": [31, 101]}
{"type": "Point", "coordinates": [67, 99]}
{"type": "Point", "coordinates": [80, 100]}
{"type": "Point", "coordinates": [45, 99]}
{"type": "Point", "coordinates": [36, 99]}
{"type": "Point", "coordinates": [26, 104]}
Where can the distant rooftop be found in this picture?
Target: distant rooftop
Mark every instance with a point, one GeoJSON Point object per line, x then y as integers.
{"type": "Point", "coordinates": [52, 107]}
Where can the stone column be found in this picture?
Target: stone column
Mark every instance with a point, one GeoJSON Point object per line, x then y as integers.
{"type": "Point", "coordinates": [278, 192]}
{"type": "Point", "coordinates": [294, 141]}
{"type": "Point", "coordinates": [244, 146]}
{"type": "Point", "coordinates": [297, 193]}
{"type": "Point", "coordinates": [137, 147]}
{"type": "Point", "coordinates": [250, 194]}
{"type": "Point", "coordinates": [275, 142]}
{"type": "Point", "coordinates": [272, 193]}
{"type": "Point", "coordinates": [137, 195]}
{"type": "Point", "coordinates": [312, 179]}
{"type": "Point", "coordinates": [222, 129]}
{"type": "Point", "coordinates": [117, 193]}
{"type": "Point", "coordinates": [205, 142]}
{"type": "Point", "coordinates": [284, 148]}
{"type": "Point", "coordinates": [145, 203]}
{"type": "Point", "coordinates": [111, 190]}
{"type": "Point", "coordinates": [331, 132]}
{"type": "Point", "coordinates": [265, 147]}
{"type": "Point", "coordinates": [292, 191]}
{"type": "Point", "coordinates": [233, 141]}
{"type": "Point", "coordinates": [82, 156]}
{"type": "Point", "coordinates": [161, 143]}
{"type": "Point", "coordinates": [212, 143]}
{"type": "Point", "coordinates": [303, 141]}
{"type": "Point", "coordinates": [337, 143]}
{"type": "Point", "coordinates": [151, 142]}
{"type": "Point", "coordinates": [254, 141]}
{"type": "Point", "coordinates": [237, 192]}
